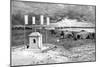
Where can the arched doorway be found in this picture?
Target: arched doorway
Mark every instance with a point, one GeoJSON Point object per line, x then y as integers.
{"type": "Point", "coordinates": [34, 41]}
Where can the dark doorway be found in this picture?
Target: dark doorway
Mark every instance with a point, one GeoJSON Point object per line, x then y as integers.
{"type": "Point", "coordinates": [34, 41]}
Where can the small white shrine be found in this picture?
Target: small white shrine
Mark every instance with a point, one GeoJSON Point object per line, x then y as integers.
{"type": "Point", "coordinates": [35, 40]}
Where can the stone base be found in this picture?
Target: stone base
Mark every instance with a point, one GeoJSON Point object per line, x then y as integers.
{"type": "Point", "coordinates": [33, 47]}
{"type": "Point", "coordinates": [44, 48]}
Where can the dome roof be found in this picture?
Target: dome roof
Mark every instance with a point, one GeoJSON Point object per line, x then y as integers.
{"type": "Point", "coordinates": [35, 34]}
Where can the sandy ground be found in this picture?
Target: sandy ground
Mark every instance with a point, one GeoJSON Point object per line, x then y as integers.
{"type": "Point", "coordinates": [23, 56]}
{"type": "Point", "coordinates": [35, 56]}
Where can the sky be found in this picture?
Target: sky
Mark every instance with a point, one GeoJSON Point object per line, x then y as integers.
{"type": "Point", "coordinates": [54, 10]}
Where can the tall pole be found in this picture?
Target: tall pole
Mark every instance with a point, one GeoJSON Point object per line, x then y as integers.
{"type": "Point", "coordinates": [41, 19]}
{"type": "Point", "coordinates": [33, 22]}
{"type": "Point", "coordinates": [26, 22]}
{"type": "Point", "coordinates": [48, 20]}
{"type": "Point", "coordinates": [46, 35]}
